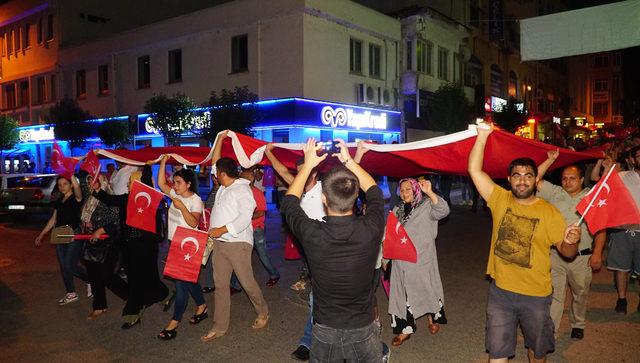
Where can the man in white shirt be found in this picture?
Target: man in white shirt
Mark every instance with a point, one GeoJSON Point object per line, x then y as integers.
{"type": "Point", "coordinates": [233, 243]}
{"type": "Point", "coordinates": [120, 179]}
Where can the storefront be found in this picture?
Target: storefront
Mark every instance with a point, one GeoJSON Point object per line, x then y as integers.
{"type": "Point", "coordinates": [287, 120]}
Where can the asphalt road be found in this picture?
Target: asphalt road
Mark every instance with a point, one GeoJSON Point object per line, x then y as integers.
{"type": "Point", "coordinates": [34, 328]}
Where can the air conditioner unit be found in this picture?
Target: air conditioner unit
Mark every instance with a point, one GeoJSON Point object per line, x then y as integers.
{"type": "Point", "coordinates": [386, 97]}
{"type": "Point", "coordinates": [370, 94]}
{"type": "Point", "coordinates": [360, 90]}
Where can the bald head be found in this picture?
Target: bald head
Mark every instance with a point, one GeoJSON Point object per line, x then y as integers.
{"type": "Point", "coordinates": [572, 179]}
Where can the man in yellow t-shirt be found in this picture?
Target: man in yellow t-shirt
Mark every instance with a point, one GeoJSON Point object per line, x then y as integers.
{"type": "Point", "coordinates": [524, 229]}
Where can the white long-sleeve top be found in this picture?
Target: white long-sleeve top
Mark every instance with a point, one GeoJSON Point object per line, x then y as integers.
{"type": "Point", "coordinates": [233, 208]}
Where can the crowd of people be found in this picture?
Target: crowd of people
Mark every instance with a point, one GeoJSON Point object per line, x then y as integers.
{"type": "Point", "coordinates": [338, 221]}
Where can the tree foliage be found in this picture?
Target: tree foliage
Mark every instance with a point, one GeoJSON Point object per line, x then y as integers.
{"type": "Point", "coordinates": [69, 119]}
{"type": "Point", "coordinates": [449, 110]}
{"type": "Point", "coordinates": [171, 116]}
{"type": "Point", "coordinates": [509, 117]}
{"type": "Point", "coordinates": [9, 135]}
{"type": "Point", "coordinates": [114, 133]}
{"type": "Point", "coordinates": [233, 110]}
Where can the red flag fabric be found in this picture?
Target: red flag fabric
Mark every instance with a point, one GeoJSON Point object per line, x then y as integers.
{"type": "Point", "coordinates": [142, 206]}
{"type": "Point", "coordinates": [203, 224]}
{"type": "Point", "coordinates": [291, 251]}
{"type": "Point", "coordinates": [397, 244]}
{"type": "Point", "coordinates": [91, 165]}
{"type": "Point", "coordinates": [608, 204]}
{"type": "Point", "coordinates": [185, 254]}
{"type": "Point", "coordinates": [60, 164]}
{"type": "Point", "coordinates": [446, 154]}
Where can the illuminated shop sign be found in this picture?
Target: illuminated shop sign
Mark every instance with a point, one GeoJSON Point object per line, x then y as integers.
{"type": "Point", "coordinates": [36, 134]}
{"type": "Point", "coordinates": [200, 119]}
{"type": "Point", "coordinates": [497, 104]}
{"type": "Point", "coordinates": [341, 117]}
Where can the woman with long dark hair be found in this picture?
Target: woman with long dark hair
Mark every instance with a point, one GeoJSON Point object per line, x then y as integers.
{"type": "Point", "coordinates": [139, 253]}
{"type": "Point", "coordinates": [185, 211]}
{"type": "Point", "coordinates": [66, 212]}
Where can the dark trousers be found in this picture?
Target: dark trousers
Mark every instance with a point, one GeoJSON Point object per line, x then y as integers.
{"type": "Point", "coordinates": [353, 345]}
{"type": "Point", "coordinates": [101, 277]}
{"type": "Point", "coordinates": [183, 290]}
{"type": "Point", "coordinates": [139, 258]}
{"type": "Point", "coordinates": [68, 258]}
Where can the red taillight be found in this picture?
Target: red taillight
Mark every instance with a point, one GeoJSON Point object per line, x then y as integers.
{"type": "Point", "coordinates": [38, 195]}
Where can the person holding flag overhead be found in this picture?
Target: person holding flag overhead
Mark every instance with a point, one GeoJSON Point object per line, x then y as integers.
{"type": "Point", "coordinates": [416, 288]}
{"type": "Point", "coordinates": [185, 211]}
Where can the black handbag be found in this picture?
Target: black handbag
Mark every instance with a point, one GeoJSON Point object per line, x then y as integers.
{"type": "Point", "coordinates": [96, 252]}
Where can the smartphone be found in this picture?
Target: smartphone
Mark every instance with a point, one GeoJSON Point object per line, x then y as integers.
{"type": "Point", "coordinates": [331, 147]}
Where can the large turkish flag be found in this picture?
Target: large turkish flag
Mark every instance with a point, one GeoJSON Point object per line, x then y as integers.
{"type": "Point", "coordinates": [397, 244]}
{"type": "Point", "coordinates": [185, 254]}
{"type": "Point", "coordinates": [60, 164]}
{"type": "Point", "coordinates": [142, 206]}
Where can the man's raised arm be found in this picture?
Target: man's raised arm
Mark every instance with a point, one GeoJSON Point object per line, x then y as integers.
{"type": "Point", "coordinates": [277, 165]}
{"type": "Point", "coordinates": [482, 180]}
{"type": "Point", "coordinates": [365, 180]}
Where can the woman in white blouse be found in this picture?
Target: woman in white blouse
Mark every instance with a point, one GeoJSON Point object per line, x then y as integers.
{"type": "Point", "coordinates": [185, 211]}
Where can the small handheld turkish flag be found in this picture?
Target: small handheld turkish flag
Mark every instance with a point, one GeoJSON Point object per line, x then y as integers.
{"type": "Point", "coordinates": [60, 164]}
{"type": "Point", "coordinates": [185, 254]}
{"type": "Point", "coordinates": [91, 165]}
{"type": "Point", "coordinates": [142, 206]}
{"type": "Point", "coordinates": [203, 224]}
{"type": "Point", "coordinates": [397, 245]}
{"type": "Point", "coordinates": [608, 204]}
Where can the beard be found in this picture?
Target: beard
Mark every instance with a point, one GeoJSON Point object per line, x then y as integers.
{"type": "Point", "coordinates": [523, 193]}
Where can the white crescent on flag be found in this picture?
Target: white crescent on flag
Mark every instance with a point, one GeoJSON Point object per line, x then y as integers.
{"type": "Point", "coordinates": [144, 195]}
{"type": "Point", "coordinates": [190, 240]}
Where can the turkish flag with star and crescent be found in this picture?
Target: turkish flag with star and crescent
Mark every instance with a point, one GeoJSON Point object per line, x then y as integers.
{"type": "Point", "coordinates": [608, 204]}
{"type": "Point", "coordinates": [60, 164]}
{"type": "Point", "coordinates": [185, 254]}
{"type": "Point", "coordinates": [91, 165]}
{"type": "Point", "coordinates": [397, 245]}
{"type": "Point", "coordinates": [142, 206]}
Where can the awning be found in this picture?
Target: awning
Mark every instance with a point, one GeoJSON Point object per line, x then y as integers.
{"type": "Point", "coordinates": [584, 31]}
{"type": "Point", "coordinates": [15, 152]}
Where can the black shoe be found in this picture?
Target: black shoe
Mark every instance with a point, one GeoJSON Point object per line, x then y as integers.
{"type": "Point", "coordinates": [207, 290]}
{"type": "Point", "coordinates": [302, 353]}
{"type": "Point", "coordinates": [621, 306]}
{"type": "Point", "coordinates": [167, 334]}
{"type": "Point", "coordinates": [577, 333]}
{"type": "Point", "coordinates": [197, 318]}
{"type": "Point", "coordinates": [126, 326]}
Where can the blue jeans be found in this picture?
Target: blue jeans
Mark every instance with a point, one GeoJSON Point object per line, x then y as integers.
{"type": "Point", "coordinates": [353, 345]}
{"type": "Point", "coordinates": [183, 290]}
{"type": "Point", "coordinates": [308, 328]}
{"type": "Point", "coordinates": [260, 245]}
{"type": "Point", "coordinates": [68, 257]}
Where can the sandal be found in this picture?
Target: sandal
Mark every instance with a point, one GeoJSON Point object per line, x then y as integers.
{"type": "Point", "coordinates": [260, 322]}
{"type": "Point", "coordinates": [399, 339]}
{"type": "Point", "coordinates": [211, 335]}
{"type": "Point", "coordinates": [434, 328]}
{"type": "Point", "coordinates": [167, 334]}
{"type": "Point", "coordinates": [196, 318]}
{"type": "Point", "coordinates": [95, 314]}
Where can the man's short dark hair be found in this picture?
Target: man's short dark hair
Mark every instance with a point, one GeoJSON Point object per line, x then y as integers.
{"type": "Point", "coordinates": [228, 166]}
{"type": "Point", "coordinates": [340, 186]}
{"type": "Point", "coordinates": [633, 151]}
{"type": "Point", "coordinates": [523, 162]}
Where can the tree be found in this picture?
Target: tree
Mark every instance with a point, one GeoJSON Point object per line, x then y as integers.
{"type": "Point", "coordinates": [9, 135]}
{"type": "Point", "coordinates": [449, 110]}
{"type": "Point", "coordinates": [114, 133]}
{"type": "Point", "coordinates": [69, 119]}
{"type": "Point", "coordinates": [511, 115]}
{"type": "Point", "coordinates": [233, 110]}
{"type": "Point", "coordinates": [171, 116]}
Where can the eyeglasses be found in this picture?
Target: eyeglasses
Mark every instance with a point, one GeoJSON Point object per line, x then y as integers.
{"type": "Point", "coordinates": [526, 176]}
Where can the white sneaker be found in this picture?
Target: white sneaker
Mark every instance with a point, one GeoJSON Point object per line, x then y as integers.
{"type": "Point", "coordinates": [68, 298]}
{"type": "Point", "coordinates": [89, 293]}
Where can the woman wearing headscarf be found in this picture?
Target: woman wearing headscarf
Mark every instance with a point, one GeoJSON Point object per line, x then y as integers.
{"type": "Point", "coordinates": [139, 253]}
{"type": "Point", "coordinates": [185, 211]}
{"type": "Point", "coordinates": [416, 288]}
{"type": "Point", "coordinates": [66, 212]}
{"type": "Point", "coordinates": [101, 255]}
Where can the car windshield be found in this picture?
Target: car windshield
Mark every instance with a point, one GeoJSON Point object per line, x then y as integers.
{"type": "Point", "coordinates": [29, 181]}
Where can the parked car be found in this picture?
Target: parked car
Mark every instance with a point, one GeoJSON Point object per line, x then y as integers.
{"type": "Point", "coordinates": [27, 194]}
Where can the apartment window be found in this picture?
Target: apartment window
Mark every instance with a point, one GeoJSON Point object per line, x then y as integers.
{"type": "Point", "coordinates": [355, 56]}
{"type": "Point", "coordinates": [9, 42]}
{"type": "Point", "coordinates": [103, 79]}
{"type": "Point", "coordinates": [175, 65]}
{"type": "Point", "coordinates": [39, 31]}
{"type": "Point", "coordinates": [16, 39]}
{"type": "Point", "coordinates": [81, 83]}
{"type": "Point", "coordinates": [9, 96]}
{"type": "Point", "coordinates": [50, 27]}
{"type": "Point", "coordinates": [2, 38]}
{"type": "Point", "coordinates": [53, 88]}
{"type": "Point", "coordinates": [424, 51]}
{"type": "Point", "coordinates": [600, 84]}
{"type": "Point", "coordinates": [616, 83]}
{"type": "Point", "coordinates": [443, 63]}
{"type": "Point", "coordinates": [27, 35]}
{"type": "Point", "coordinates": [409, 55]}
{"type": "Point", "coordinates": [600, 60]}
{"type": "Point", "coordinates": [40, 90]}
{"type": "Point", "coordinates": [24, 94]}
{"type": "Point", "coordinates": [601, 109]}
{"type": "Point", "coordinates": [239, 53]}
{"type": "Point", "coordinates": [617, 59]}
{"type": "Point", "coordinates": [144, 72]}
{"type": "Point", "coordinates": [457, 68]}
{"type": "Point", "coordinates": [374, 60]}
